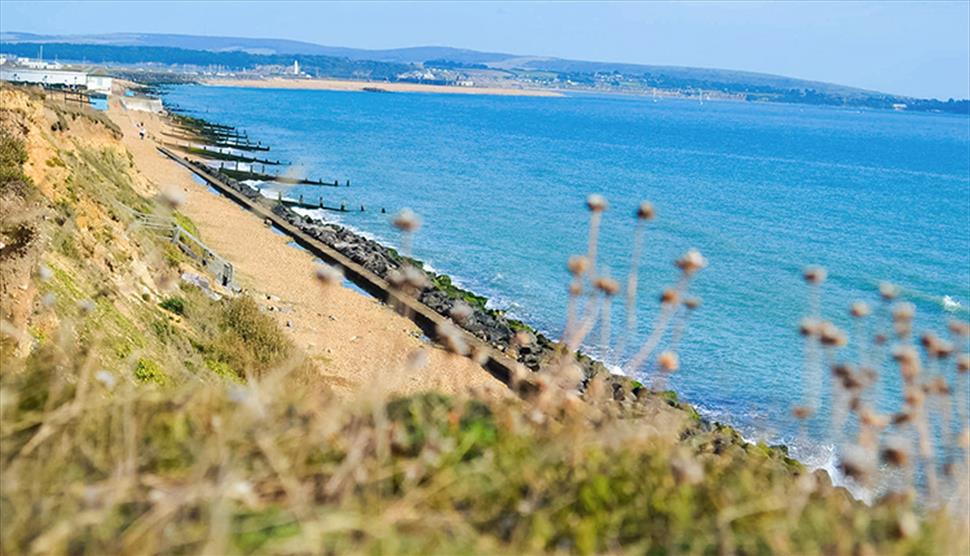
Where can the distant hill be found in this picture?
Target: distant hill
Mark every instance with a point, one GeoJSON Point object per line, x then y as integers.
{"type": "Point", "coordinates": [389, 64]}
{"type": "Point", "coordinates": [421, 54]}
{"type": "Point", "coordinates": [410, 55]}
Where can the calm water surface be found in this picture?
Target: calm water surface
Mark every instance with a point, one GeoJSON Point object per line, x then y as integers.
{"type": "Point", "coordinates": [761, 190]}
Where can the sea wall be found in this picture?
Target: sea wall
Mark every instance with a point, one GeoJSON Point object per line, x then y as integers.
{"type": "Point", "coordinates": [489, 325]}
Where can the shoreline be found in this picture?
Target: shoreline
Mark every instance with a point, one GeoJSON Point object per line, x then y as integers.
{"type": "Point", "coordinates": [372, 86]}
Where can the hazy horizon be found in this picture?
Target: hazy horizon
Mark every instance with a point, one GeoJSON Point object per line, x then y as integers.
{"type": "Point", "coordinates": [907, 48]}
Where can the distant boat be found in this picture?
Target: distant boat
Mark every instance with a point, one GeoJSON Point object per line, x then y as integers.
{"type": "Point", "coordinates": [375, 90]}
{"type": "Point", "coordinates": [950, 304]}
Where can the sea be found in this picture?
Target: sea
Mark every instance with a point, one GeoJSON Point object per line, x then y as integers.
{"type": "Point", "coordinates": [762, 190]}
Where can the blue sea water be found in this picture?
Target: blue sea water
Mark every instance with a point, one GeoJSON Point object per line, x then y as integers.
{"type": "Point", "coordinates": [762, 190]}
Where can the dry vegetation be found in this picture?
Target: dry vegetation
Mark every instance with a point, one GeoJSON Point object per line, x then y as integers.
{"type": "Point", "coordinates": [141, 416]}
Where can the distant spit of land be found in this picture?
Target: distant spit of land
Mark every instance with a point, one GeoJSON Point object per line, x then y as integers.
{"type": "Point", "coordinates": [349, 85]}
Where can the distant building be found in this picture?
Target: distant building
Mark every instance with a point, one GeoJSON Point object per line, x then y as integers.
{"type": "Point", "coordinates": [899, 106]}
{"type": "Point", "coordinates": [45, 77]}
{"type": "Point", "coordinates": [57, 78]}
{"type": "Point", "coordinates": [296, 67]}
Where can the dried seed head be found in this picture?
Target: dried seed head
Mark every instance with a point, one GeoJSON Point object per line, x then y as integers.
{"type": "Point", "coordinates": [903, 312]}
{"type": "Point", "coordinates": [577, 265]}
{"type": "Point", "coordinates": [329, 275]}
{"type": "Point", "coordinates": [801, 412]}
{"type": "Point", "coordinates": [172, 197]}
{"type": "Point", "coordinates": [645, 211]}
{"type": "Point", "coordinates": [417, 359]}
{"type": "Point", "coordinates": [686, 470]}
{"type": "Point", "coordinates": [902, 418]}
{"type": "Point", "coordinates": [451, 338]}
{"type": "Point", "coordinates": [880, 339]}
{"type": "Point", "coordinates": [964, 439]}
{"type": "Point", "coordinates": [395, 278]}
{"type": "Point", "coordinates": [48, 300]}
{"type": "Point", "coordinates": [86, 306]}
{"type": "Point", "coordinates": [523, 338]}
{"type": "Point", "coordinates": [914, 397]}
{"type": "Point", "coordinates": [44, 273]}
{"type": "Point", "coordinates": [415, 278]}
{"type": "Point", "coordinates": [407, 221]}
{"type": "Point", "coordinates": [809, 327]}
{"type": "Point", "coordinates": [608, 286]}
{"type": "Point", "coordinates": [907, 526]}
{"type": "Point", "coordinates": [888, 291]}
{"type": "Point", "coordinates": [690, 262]}
{"type": "Point", "coordinates": [896, 451]}
{"type": "Point", "coordinates": [461, 312]}
{"type": "Point", "coordinates": [928, 340]}
{"type": "Point", "coordinates": [692, 303]}
{"type": "Point", "coordinates": [857, 463]}
{"type": "Point", "coordinates": [943, 349]}
{"type": "Point", "coordinates": [668, 361]}
{"type": "Point", "coordinates": [905, 355]}
{"type": "Point", "coordinates": [814, 274]}
{"type": "Point", "coordinates": [596, 203]}
{"type": "Point", "coordinates": [959, 328]}
{"type": "Point", "coordinates": [963, 363]}
{"type": "Point", "coordinates": [575, 289]}
{"type": "Point", "coordinates": [939, 387]}
{"type": "Point", "coordinates": [872, 419]}
{"type": "Point", "coordinates": [859, 309]}
{"type": "Point", "coordinates": [669, 296]}
{"type": "Point", "coordinates": [830, 335]}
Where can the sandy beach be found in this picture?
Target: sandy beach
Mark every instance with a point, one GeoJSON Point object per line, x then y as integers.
{"type": "Point", "coordinates": [343, 85]}
{"type": "Point", "coordinates": [357, 342]}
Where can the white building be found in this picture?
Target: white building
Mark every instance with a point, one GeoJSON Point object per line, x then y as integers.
{"type": "Point", "coordinates": [50, 78]}
{"type": "Point", "coordinates": [56, 78]}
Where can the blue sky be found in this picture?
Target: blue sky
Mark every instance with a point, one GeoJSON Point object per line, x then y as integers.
{"type": "Point", "coordinates": [913, 48]}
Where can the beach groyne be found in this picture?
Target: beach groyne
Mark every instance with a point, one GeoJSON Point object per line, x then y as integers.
{"type": "Point", "coordinates": [367, 264]}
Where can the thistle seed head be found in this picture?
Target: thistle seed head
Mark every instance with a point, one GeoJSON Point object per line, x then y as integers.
{"type": "Point", "coordinates": [814, 274]}
{"type": "Point", "coordinates": [859, 309]}
{"type": "Point", "coordinates": [959, 328]}
{"type": "Point", "coordinates": [801, 412]}
{"type": "Point", "coordinates": [690, 262]}
{"type": "Point", "coordinates": [407, 221]}
{"type": "Point", "coordinates": [686, 470]}
{"type": "Point", "coordinates": [857, 463]}
{"type": "Point", "coordinates": [461, 312]}
{"type": "Point", "coordinates": [903, 312]}
{"type": "Point", "coordinates": [596, 203]}
{"type": "Point", "coordinates": [963, 363]}
{"type": "Point", "coordinates": [395, 278]}
{"type": "Point", "coordinates": [577, 265]}
{"type": "Point", "coordinates": [44, 273]}
{"type": "Point", "coordinates": [830, 335]}
{"type": "Point", "coordinates": [645, 211]}
{"type": "Point", "coordinates": [451, 338]}
{"type": "Point", "coordinates": [896, 451]}
{"type": "Point", "coordinates": [415, 278]}
{"type": "Point", "coordinates": [608, 286]}
{"type": "Point", "coordinates": [172, 197]}
{"type": "Point", "coordinates": [692, 303]}
{"type": "Point", "coordinates": [809, 327]}
{"type": "Point", "coordinates": [668, 361]}
{"type": "Point", "coordinates": [329, 275]}
{"type": "Point", "coordinates": [888, 291]}
{"type": "Point", "coordinates": [669, 296]}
